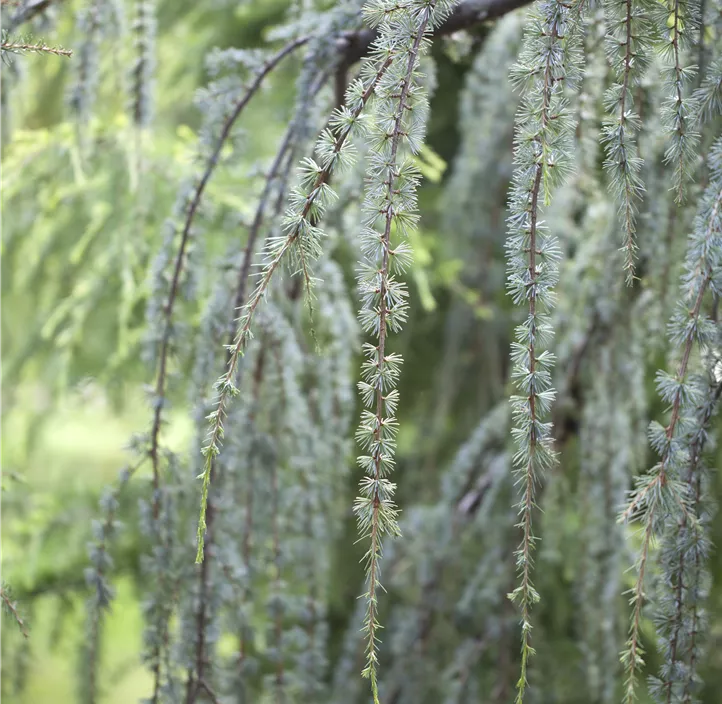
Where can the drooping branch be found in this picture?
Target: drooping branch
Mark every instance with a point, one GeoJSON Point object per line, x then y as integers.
{"type": "Point", "coordinates": [659, 493]}
{"type": "Point", "coordinates": [333, 149]}
{"type": "Point", "coordinates": [185, 237]}
{"type": "Point", "coordinates": [688, 549]}
{"type": "Point", "coordinates": [544, 130]}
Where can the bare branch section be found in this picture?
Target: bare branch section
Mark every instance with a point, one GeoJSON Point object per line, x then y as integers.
{"type": "Point", "coordinates": [27, 11]}
{"type": "Point", "coordinates": [356, 45]}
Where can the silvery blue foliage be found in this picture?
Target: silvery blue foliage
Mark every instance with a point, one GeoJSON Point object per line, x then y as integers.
{"type": "Point", "coordinates": [629, 47]}
{"type": "Point", "coordinates": [661, 495]}
{"type": "Point", "coordinates": [400, 110]}
{"type": "Point", "coordinates": [549, 64]}
{"type": "Point", "coordinates": [255, 619]}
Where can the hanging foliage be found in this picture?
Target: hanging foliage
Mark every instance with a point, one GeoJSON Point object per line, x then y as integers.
{"type": "Point", "coordinates": [247, 207]}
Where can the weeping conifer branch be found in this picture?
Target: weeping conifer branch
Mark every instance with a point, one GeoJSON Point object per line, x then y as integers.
{"type": "Point", "coordinates": [547, 62]}
{"type": "Point", "coordinates": [390, 200]}
{"type": "Point", "coordinates": [308, 204]}
{"type": "Point", "coordinates": [678, 28]}
{"type": "Point", "coordinates": [628, 47]}
{"type": "Point", "coordinates": [192, 209]}
{"type": "Point", "coordinates": [385, 306]}
{"type": "Point", "coordinates": [686, 547]}
{"type": "Point", "coordinates": [660, 495]}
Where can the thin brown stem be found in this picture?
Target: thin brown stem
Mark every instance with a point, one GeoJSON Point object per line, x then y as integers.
{"type": "Point", "coordinates": [694, 486]}
{"type": "Point", "coordinates": [678, 88]}
{"type": "Point", "coordinates": [39, 48]}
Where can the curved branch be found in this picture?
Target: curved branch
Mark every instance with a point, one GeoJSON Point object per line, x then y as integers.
{"type": "Point", "coordinates": [185, 237]}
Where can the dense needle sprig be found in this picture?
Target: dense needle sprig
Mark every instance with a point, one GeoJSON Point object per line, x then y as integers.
{"type": "Point", "coordinates": [682, 587]}
{"type": "Point", "coordinates": [628, 47]}
{"type": "Point", "coordinates": [548, 61]}
{"type": "Point", "coordinates": [678, 22]}
{"type": "Point", "coordinates": [660, 494]}
{"type": "Point", "coordinates": [26, 45]}
{"type": "Point", "coordinates": [390, 203]}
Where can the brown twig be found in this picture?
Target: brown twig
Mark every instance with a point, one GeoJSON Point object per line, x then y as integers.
{"type": "Point", "coordinates": [38, 48]}
{"type": "Point", "coordinates": [355, 45]}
